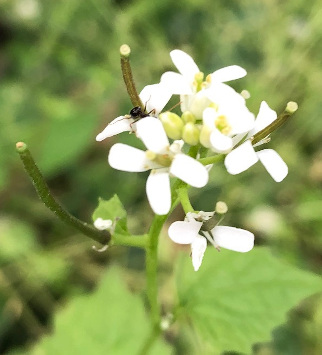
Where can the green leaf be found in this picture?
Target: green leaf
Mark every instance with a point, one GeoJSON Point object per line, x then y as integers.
{"type": "Point", "coordinates": [110, 321]}
{"type": "Point", "coordinates": [113, 210]}
{"type": "Point", "coordinates": [235, 300]}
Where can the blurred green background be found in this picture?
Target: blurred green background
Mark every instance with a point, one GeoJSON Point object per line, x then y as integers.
{"type": "Point", "coordinates": [60, 84]}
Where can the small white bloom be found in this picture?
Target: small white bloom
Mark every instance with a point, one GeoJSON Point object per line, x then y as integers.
{"type": "Point", "coordinates": [163, 159]}
{"type": "Point", "coordinates": [155, 97]}
{"type": "Point", "coordinates": [188, 232]}
{"type": "Point", "coordinates": [189, 82]}
{"type": "Point", "coordinates": [244, 156]}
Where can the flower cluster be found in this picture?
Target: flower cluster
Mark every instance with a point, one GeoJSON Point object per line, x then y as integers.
{"type": "Point", "coordinates": [213, 117]}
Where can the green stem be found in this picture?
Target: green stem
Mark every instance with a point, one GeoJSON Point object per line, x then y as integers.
{"type": "Point", "coordinates": [125, 52]}
{"type": "Point", "coordinates": [102, 237]}
{"type": "Point", "coordinates": [139, 241]}
{"type": "Point", "coordinates": [151, 261]}
{"type": "Point", "coordinates": [280, 120]}
{"type": "Point", "coordinates": [184, 199]}
{"type": "Point", "coordinates": [212, 160]}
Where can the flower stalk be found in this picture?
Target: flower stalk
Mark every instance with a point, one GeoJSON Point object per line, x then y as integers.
{"type": "Point", "coordinates": [102, 237]}
{"type": "Point", "coordinates": [291, 107]}
{"type": "Point", "coordinates": [125, 52]}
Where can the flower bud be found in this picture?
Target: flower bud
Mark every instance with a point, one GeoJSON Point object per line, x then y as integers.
{"type": "Point", "coordinates": [190, 134]}
{"type": "Point", "coordinates": [291, 107]}
{"type": "Point", "coordinates": [205, 136]}
{"type": "Point", "coordinates": [172, 124]}
{"type": "Point", "coordinates": [188, 117]}
{"type": "Point", "coordinates": [221, 207]}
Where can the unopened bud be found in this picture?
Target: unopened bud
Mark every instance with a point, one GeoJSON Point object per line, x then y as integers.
{"type": "Point", "coordinates": [190, 134]}
{"type": "Point", "coordinates": [172, 124]}
{"type": "Point", "coordinates": [291, 107]}
{"type": "Point", "coordinates": [125, 50]}
{"type": "Point", "coordinates": [205, 136]}
{"type": "Point", "coordinates": [221, 207]}
{"type": "Point", "coordinates": [188, 116]}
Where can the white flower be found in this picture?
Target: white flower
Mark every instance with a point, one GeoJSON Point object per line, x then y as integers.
{"type": "Point", "coordinates": [228, 119]}
{"type": "Point", "coordinates": [190, 85]}
{"type": "Point", "coordinates": [155, 97]}
{"type": "Point", "coordinates": [163, 159]}
{"type": "Point", "coordinates": [244, 156]}
{"type": "Point", "coordinates": [188, 232]}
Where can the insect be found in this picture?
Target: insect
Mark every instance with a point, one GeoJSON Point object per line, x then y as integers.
{"type": "Point", "coordinates": [136, 113]}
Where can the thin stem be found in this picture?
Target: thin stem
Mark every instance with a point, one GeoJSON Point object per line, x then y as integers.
{"type": "Point", "coordinates": [212, 160]}
{"type": "Point", "coordinates": [184, 199]}
{"type": "Point", "coordinates": [151, 262]}
{"type": "Point", "coordinates": [125, 52]}
{"type": "Point", "coordinates": [139, 241]}
{"type": "Point", "coordinates": [102, 237]}
{"type": "Point", "coordinates": [280, 120]}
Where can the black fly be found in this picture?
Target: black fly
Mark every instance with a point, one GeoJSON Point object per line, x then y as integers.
{"type": "Point", "coordinates": [136, 114]}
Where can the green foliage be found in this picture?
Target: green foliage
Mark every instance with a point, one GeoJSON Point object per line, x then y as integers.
{"type": "Point", "coordinates": [235, 300]}
{"type": "Point", "coordinates": [109, 321]}
{"type": "Point", "coordinates": [60, 84]}
{"type": "Point", "coordinates": [113, 210]}
{"type": "Point", "coordinates": [17, 239]}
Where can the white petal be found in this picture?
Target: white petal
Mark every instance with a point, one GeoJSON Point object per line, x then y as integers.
{"type": "Point", "coordinates": [233, 238]}
{"type": "Point", "coordinates": [118, 125]}
{"type": "Point", "coordinates": [198, 103]}
{"type": "Point", "coordinates": [189, 170]}
{"type": "Point", "coordinates": [126, 158]}
{"type": "Point", "coordinates": [158, 191]}
{"type": "Point", "coordinates": [264, 118]}
{"type": "Point", "coordinates": [222, 94]}
{"type": "Point", "coordinates": [209, 116]}
{"type": "Point", "coordinates": [231, 72]}
{"type": "Point", "coordinates": [185, 64]}
{"type": "Point", "coordinates": [152, 133]}
{"type": "Point", "coordinates": [155, 97]}
{"type": "Point", "coordinates": [176, 83]}
{"type": "Point", "coordinates": [182, 232]}
{"type": "Point", "coordinates": [220, 142]}
{"type": "Point", "coordinates": [198, 248]}
{"type": "Point", "coordinates": [241, 158]}
{"type": "Point", "coordinates": [273, 163]}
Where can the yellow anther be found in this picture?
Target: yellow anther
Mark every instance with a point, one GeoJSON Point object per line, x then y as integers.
{"type": "Point", "coordinates": [222, 124]}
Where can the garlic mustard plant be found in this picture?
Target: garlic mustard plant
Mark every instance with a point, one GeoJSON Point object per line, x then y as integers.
{"type": "Point", "coordinates": [184, 150]}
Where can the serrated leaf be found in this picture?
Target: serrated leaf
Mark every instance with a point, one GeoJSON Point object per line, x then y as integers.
{"type": "Point", "coordinates": [109, 321]}
{"type": "Point", "coordinates": [235, 300]}
{"type": "Point", "coordinates": [113, 210]}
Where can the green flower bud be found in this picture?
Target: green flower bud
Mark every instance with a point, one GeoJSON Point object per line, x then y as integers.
{"type": "Point", "coordinates": [190, 134]}
{"type": "Point", "coordinates": [221, 207]}
{"type": "Point", "coordinates": [205, 136]}
{"type": "Point", "coordinates": [188, 117]}
{"type": "Point", "coordinates": [291, 107]}
{"type": "Point", "coordinates": [172, 124]}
